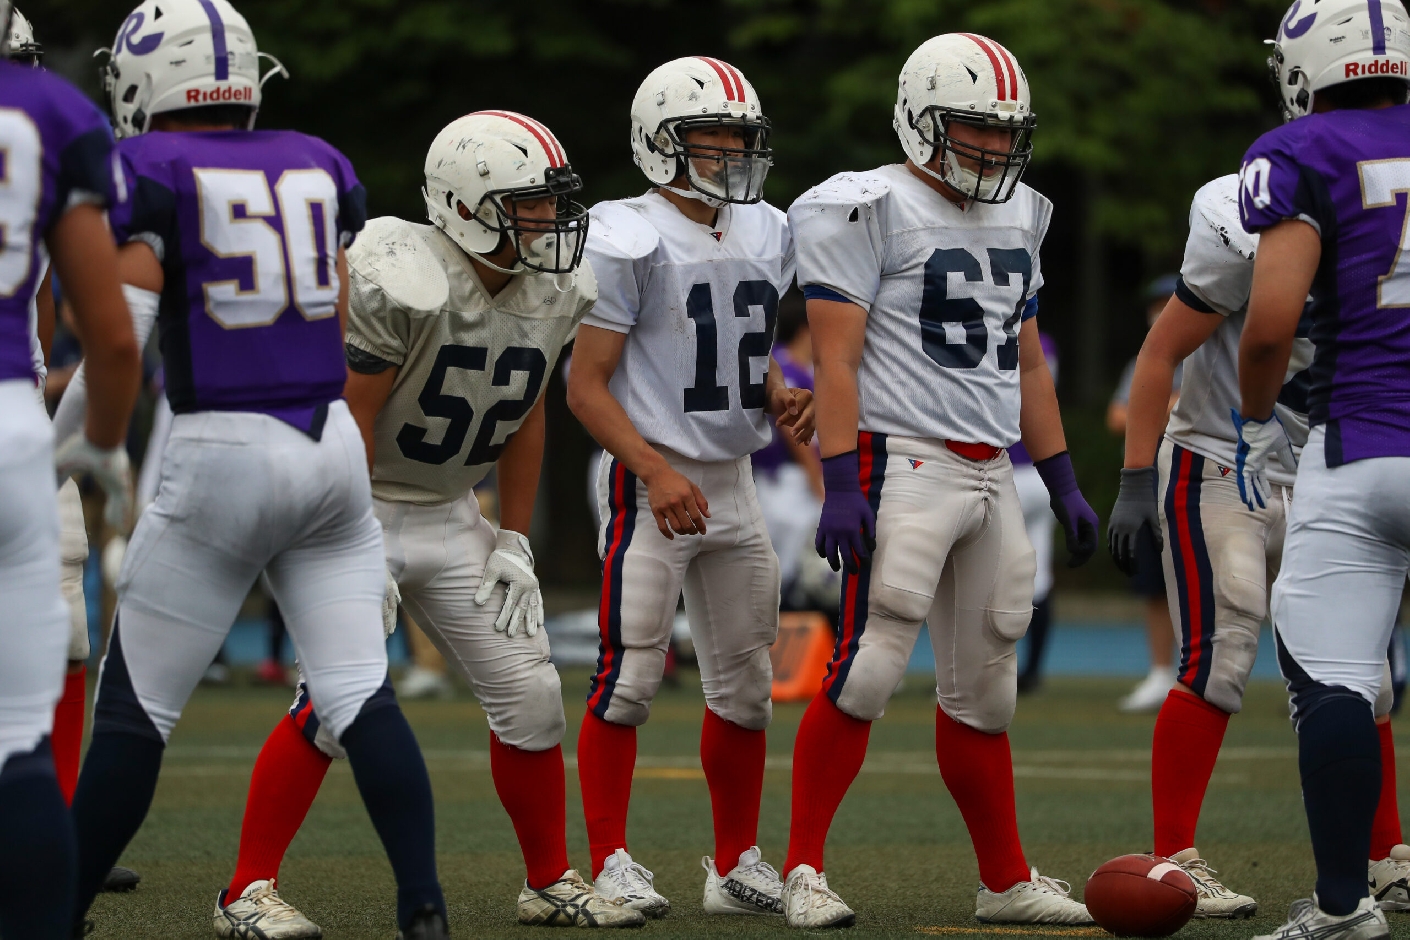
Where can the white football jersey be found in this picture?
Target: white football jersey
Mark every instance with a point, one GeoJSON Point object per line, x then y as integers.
{"type": "Point", "coordinates": [470, 369]}
{"type": "Point", "coordinates": [698, 306]}
{"type": "Point", "coordinates": [945, 290]}
{"type": "Point", "coordinates": [1216, 277]}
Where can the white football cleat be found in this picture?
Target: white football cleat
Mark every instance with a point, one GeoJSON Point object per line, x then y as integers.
{"type": "Point", "coordinates": [628, 882]}
{"type": "Point", "coordinates": [1389, 879]}
{"type": "Point", "coordinates": [1040, 900]}
{"type": "Point", "coordinates": [809, 903]}
{"type": "Point", "coordinates": [571, 902]}
{"type": "Point", "coordinates": [1150, 694]}
{"type": "Point", "coordinates": [1307, 921]}
{"type": "Point", "coordinates": [259, 913]}
{"type": "Point", "coordinates": [751, 887]}
{"type": "Point", "coordinates": [1215, 900]}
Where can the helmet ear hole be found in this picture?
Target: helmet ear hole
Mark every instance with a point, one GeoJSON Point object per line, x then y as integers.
{"type": "Point", "coordinates": [462, 209]}
{"type": "Point", "coordinates": [129, 95]}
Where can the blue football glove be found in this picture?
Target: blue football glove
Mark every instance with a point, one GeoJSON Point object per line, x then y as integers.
{"type": "Point", "coordinates": [847, 529]}
{"type": "Point", "coordinates": [1258, 440]}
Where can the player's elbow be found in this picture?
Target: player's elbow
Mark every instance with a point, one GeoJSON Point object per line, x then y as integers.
{"type": "Point", "coordinates": [580, 395]}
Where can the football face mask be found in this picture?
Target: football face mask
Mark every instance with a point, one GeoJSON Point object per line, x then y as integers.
{"type": "Point", "coordinates": [977, 172]}
{"type": "Point", "coordinates": [726, 160]}
{"type": "Point", "coordinates": [547, 228]}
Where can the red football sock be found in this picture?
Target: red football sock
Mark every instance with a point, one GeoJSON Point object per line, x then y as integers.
{"type": "Point", "coordinates": [1385, 830]}
{"type": "Point", "coordinates": [606, 759]}
{"type": "Point", "coordinates": [530, 785]}
{"type": "Point", "coordinates": [827, 754]}
{"type": "Point", "coordinates": [1188, 733]}
{"type": "Point", "coordinates": [978, 770]}
{"type": "Point", "coordinates": [66, 740]}
{"type": "Point", "coordinates": [733, 758]}
{"type": "Point", "coordinates": [286, 778]}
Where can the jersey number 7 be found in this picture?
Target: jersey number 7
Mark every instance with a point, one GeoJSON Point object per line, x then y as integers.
{"type": "Point", "coordinates": [705, 395]}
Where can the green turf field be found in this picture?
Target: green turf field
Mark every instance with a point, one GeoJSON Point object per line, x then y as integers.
{"type": "Point", "coordinates": [898, 851]}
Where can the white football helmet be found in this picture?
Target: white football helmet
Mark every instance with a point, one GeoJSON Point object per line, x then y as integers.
{"type": "Point", "coordinates": [973, 80]}
{"type": "Point", "coordinates": [1327, 42]}
{"type": "Point", "coordinates": [20, 43]}
{"type": "Point", "coordinates": [699, 92]}
{"type": "Point", "coordinates": [477, 167]}
{"type": "Point", "coordinates": [175, 54]}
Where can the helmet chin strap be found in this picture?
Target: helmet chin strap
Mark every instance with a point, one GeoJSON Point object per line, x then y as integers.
{"type": "Point", "coordinates": [714, 202]}
{"type": "Point", "coordinates": [517, 269]}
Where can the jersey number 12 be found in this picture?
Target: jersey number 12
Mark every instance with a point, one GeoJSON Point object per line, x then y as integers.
{"type": "Point", "coordinates": [705, 395]}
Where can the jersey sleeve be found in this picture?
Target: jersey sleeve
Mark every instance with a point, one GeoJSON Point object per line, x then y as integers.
{"type": "Point", "coordinates": [1273, 186]}
{"type": "Point", "coordinates": [837, 239]}
{"type": "Point", "coordinates": [86, 169]}
{"type": "Point", "coordinates": [148, 213]}
{"type": "Point", "coordinates": [352, 197]}
{"type": "Point", "coordinates": [1042, 217]}
{"type": "Point", "coordinates": [586, 291]}
{"type": "Point", "coordinates": [619, 244]}
{"type": "Point", "coordinates": [1217, 270]}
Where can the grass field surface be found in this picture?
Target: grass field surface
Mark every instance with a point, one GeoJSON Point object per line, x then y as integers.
{"type": "Point", "coordinates": [898, 852]}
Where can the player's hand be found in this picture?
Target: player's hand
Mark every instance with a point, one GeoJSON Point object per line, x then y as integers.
{"type": "Point", "coordinates": [1136, 507]}
{"type": "Point", "coordinates": [1257, 441]}
{"type": "Point", "coordinates": [109, 467]}
{"type": "Point", "coordinates": [794, 408]}
{"type": "Point", "coordinates": [678, 504]}
{"type": "Point", "coordinates": [847, 529]}
{"type": "Point", "coordinates": [391, 600]}
{"type": "Point", "coordinates": [1079, 523]}
{"type": "Point", "coordinates": [513, 563]}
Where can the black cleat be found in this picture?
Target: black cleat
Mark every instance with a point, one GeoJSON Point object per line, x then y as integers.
{"type": "Point", "coordinates": [426, 924]}
{"type": "Point", "coordinates": [121, 880]}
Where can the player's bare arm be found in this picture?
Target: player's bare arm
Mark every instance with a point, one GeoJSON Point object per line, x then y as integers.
{"type": "Point", "coordinates": [1039, 419]}
{"type": "Point", "coordinates": [677, 504]}
{"type": "Point", "coordinates": [366, 394]}
{"type": "Point", "coordinates": [86, 261]}
{"type": "Point", "coordinates": [1288, 255]}
{"type": "Point", "coordinates": [792, 408]}
{"type": "Point", "coordinates": [838, 330]}
{"type": "Point", "coordinates": [517, 471]}
{"type": "Point", "coordinates": [1178, 331]}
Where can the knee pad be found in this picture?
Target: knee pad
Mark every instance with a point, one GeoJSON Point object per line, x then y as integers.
{"type": "Point", "coordinates": [898, 603]}
{"type": "Point", "coordinates": [1234, 651]}
{"type": "Point", "coordinates": [72, 588]}
{"type": "Point", "coordinates": [535, 722]}
{"type": "Point", "coordinates": [1385, 696]}
{"type": "Point", "coordinates": [872, 679]}
{"type": "Point", "coordinates": [990, 711]}
{"type": "Point", "coordinates": [623, 695]}
{"type": "Point", "coordinates": [747, 695]}
{"type": "Point", "coordinates": [324, 740]}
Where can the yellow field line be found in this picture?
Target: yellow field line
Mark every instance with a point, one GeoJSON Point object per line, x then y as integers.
{"type": "Point", "coordinates": [1024, 931]}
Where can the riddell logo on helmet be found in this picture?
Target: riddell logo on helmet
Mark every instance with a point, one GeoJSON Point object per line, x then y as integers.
{"type": "Point", "coordinates": [1376, 67]}
{"type": "Point", "coordinates": [219, 95]}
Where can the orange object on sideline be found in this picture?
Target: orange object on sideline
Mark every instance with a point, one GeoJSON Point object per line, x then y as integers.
{"type": "Point", "coordinates": [800, 655]}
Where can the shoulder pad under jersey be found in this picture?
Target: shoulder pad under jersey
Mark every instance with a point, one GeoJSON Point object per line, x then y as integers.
{"type": "Point", "coordinates": [846, 189]}
{"type": "Point", "coordinates": [392, 254]}
{"type": "Point", "coordinates": [618, 230]}
{"type": "Point", "coordinates": [1216, 207]}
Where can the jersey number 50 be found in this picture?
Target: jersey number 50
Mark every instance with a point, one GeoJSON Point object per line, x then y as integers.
{"type": "Point", "coordinates": [705, 395]}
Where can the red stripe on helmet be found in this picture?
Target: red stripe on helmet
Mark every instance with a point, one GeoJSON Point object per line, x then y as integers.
{"type": "Point", "coordinates": [543, 135]}
{"type": "Point", "coordinates": [738, 79]}
{"type": "Point", "coordinates": [1012, 68]}
{"type": "Point", "coordinates": [983, 43]}
{"type": "Point", "coordinates": [726, 79]}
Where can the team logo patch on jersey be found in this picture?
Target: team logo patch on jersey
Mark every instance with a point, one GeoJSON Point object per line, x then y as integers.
{"type": "Point", "coordinates": [1223, 471]}
{"type": "Point", "coordinates": [915, 464]}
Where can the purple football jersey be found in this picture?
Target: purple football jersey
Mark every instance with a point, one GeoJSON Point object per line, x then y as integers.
{"type": "Point", "coordinates": [1346, 172]}
{"type": "Point", "coordinates": [247, 225]}
{"type": "Point", "coordinates": [56, 150]}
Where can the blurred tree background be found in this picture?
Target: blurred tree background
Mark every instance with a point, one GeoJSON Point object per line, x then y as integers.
{"type": "Point", "coordinates": [1139, 102]}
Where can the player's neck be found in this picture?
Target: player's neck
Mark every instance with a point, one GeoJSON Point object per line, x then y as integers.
{"type": "Point", "coordinates": [693, 209]}
{"type": "Point", "coordinates": [940, 186]}
{"type": "Point", "coordinates": [491, 280]}
{"type": "Point", "coordinates": [166, 123]}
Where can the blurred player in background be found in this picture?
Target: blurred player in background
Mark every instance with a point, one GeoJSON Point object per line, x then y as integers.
{"type": "Point", "coordinates": [236, 237]}
{"type": "Point", "coordinates": [455, 327]}
{"type": "Point", "coordinates": [1038, 521]}
{"type": "Point", "coordinates": [1147, 574]}
{"type": "Point", "coordinates": [788, 475]}
{"type": "Point", "coordinates": [59, 179]}
{"type": "Point", "coordinates": [921, 508]}
{"type": "Point", "coordinates": [1323, 194]}
{"type": "Point", "coordinates": [664, 378]}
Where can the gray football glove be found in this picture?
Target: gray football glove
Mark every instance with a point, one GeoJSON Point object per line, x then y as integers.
{"type": "Point", "coordinates": [391, 600]}
{"type": "Point", "coordinates": [109, 467]}
{"type": "Point", "coordinates": [1136, 506]}
{"type": "Point", "coordinates": [513, 563]}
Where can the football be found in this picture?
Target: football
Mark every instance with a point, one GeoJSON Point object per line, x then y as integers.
{"type": "Point", "coordinates": [1140, 896]}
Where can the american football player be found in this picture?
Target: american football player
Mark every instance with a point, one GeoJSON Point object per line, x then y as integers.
{"type": "Point", "coordinates": [455, 328]}
{"type": "Point", "coordinates": [1321, 194]}
{"type": "Point", "coordinates": [1220, 556]}
{"type": "Point", "coordinates": [672, 374]}
{"type": "Point", "coordinates": [236, 238]}
{"type": "Point", "coordinates": [922, 286]}
{"type": "Point", "coordinates": [58, 180]}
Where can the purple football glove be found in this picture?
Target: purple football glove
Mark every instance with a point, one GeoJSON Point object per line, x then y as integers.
{"type": "Point", "coordinates": [847, 530]}
{"type": "Point", "coordinates": [1079, 522]}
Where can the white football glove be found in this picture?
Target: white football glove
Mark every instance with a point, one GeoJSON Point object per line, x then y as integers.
{"type": "Point", "coordinates": [109, 467]}
{"type": "Point", "coordinates": [1257, 441]}
{"type": "Point", "coordinates": [391, 600]}
{"type": "Point", "coordinates": [513, 563]}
